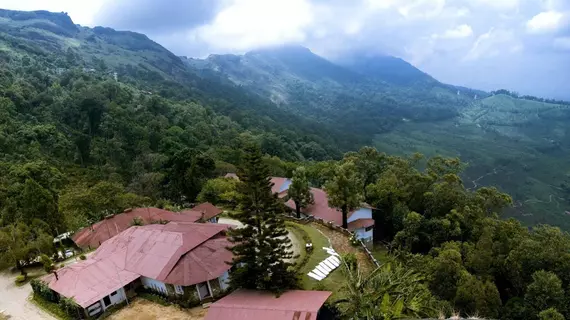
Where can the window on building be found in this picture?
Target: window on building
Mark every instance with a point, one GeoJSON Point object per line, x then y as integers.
{"type": "Point", "coordinates": [369, 228]}
{"type": "Point", "coordinates": [114, 293]}
{"type": "Point", "coordinates": [107, 301]}
{"type": "Point", "coordinates": [179, 289]}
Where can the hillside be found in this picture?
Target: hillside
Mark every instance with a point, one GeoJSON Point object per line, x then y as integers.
{"type": "Point", "coordinates": [68, 80]}
{"type": "Point", "coordinates": [59, 46]}
{"type": "Point", "coordinates": [517, 144]}
{"type": "Point", "coordinates": [300, 81]}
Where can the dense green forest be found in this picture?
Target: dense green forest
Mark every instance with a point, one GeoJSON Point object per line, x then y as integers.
{"type": "Point", "coordinates": [515, 142]}
{"type": "Point", "coordinates": [94, 121]}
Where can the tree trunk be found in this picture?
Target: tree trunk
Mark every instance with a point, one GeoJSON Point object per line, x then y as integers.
{"type": "Point", "coordinates": [345, 217]}
{"type": "Point", "coordinates": [298, 208]}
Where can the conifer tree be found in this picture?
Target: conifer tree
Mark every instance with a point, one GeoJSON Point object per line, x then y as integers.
{"type": "Point", "coordinates": [299, 190]}
{"type": "Point", "coordinates": [261, 248]}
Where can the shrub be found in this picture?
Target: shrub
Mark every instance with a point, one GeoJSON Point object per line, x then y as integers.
{"type": "Point", "coordinates": [20, 279]}
{"type": "Point", "coordinates": [47, 263]}
{"type": "Point", "coordinates": [41, 289]}
{"type": "Point", "coordinates": [82, 257]}
{"type": "Point", "coordinates": [354, 241]}
{"type": "Point", "coordinates": [137, 221]}
{"type": "Point", "coordinates": [350, 260]}
{"type": "Point", "coordinates": [70, 307]}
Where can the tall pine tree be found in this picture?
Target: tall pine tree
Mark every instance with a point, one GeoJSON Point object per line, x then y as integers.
{"type": "Point", "coordinates": [261, 248]}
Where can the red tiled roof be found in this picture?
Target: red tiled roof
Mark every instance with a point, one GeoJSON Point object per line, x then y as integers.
{"type": "Point", "coordinates": [277, 183]}
{"type": "Point", "coordinates": [320, 208]}
{"type": "Point", "coordinates": [101, 231]}
{"type": "Point", "coordinates": [175, 253]}
{"type": "Point", "coordinates": [89, 281]}
{"type": "Point", "coordinates": [259, 305]}
{"type": "Point", "coordinates": [360, 223]}
{"type": "Point", "coordinates": [208, 209]}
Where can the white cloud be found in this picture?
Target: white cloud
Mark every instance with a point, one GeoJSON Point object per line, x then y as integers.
{"type": "Point", "coordinates": [547, 21]}
{"type": "Point", "coordinates": [461, 31]}
{"type": "Point", "coordinates": [422, 9]}
{"type": "Point", "coordinates": [493, 43]}
{"type": "Point", "coordinates": [496, 4]}
{"type": "Point", "coordinates": [248, 24]}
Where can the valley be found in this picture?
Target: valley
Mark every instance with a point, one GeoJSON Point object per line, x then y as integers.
{"type": "Point", "coordinates": [516, 144]}
{"type": "Point", "coordinates": [302, 107]}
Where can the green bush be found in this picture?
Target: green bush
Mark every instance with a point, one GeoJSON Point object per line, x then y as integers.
{"type": "Point", "coordinates": [70, 307]}
{"type": "Point", "coordinates": [42, 290]}
{"type": "Point", "coordinates": [350, 260]}
{"type": "Point", "coordinates": [82, 257]}
{"type": "Point", "coordinates": [51, 308]}
{"type": "Point", "coordinates": [20, 279]}
{"type": "Point", "coordinates": [47, 263]}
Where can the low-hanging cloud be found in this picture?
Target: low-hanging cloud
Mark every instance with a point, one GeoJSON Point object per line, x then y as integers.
{"type": "Point", "coordinates": [465, 42]}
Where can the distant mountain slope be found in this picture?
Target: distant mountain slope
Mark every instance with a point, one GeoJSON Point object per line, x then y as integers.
{"type": "Point", "coordinates": [300, 81]}
{"type": "Point", "coordinates": [54, 39]}
{"type": "Point", "coordinates": [387, 68]}
{"type": "Point", "coordinates": [519, 145]}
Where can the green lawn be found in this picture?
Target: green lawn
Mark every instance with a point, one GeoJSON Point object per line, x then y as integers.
{"type": "Point", "coordinates": [335, 279]}
{"type": "Point", "coordinates": [380, 253]}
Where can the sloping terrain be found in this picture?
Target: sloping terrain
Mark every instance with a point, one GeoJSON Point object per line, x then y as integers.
{"type": "Point", "coordinates": [61, 46]}
{"type": "Point", "coordinates": [304, 83]}
{"type": "Point", "coordinates": [517, 144]}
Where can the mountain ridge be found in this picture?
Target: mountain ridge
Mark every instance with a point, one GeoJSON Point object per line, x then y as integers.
{"type": "Point", "coordinates": [300, 106]}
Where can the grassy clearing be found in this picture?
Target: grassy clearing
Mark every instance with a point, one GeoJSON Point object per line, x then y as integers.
{"type": "Point", "coordinates": [380, 253]}
{"type": "Point", "coordinates": [301, 235]}
{"type": "Point", "coordinates": [335, 279]}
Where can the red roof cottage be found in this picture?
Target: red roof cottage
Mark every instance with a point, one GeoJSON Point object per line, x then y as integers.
{"type": "Point", "coordinates": [175, 258]}
{"type": "Point", "coordinates": [94, 235]}
{"type": "Point", "coordinates": [360, 221]}
{"type": "Point", "coordinates": [258, 305]}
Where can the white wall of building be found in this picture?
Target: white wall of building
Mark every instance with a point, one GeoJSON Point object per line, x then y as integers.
{"type": "Point", "coordinates": [115, 298]}
{"type": "Point", "coordinates": [224, 280]}
{"type": "Point", "coordinates": [362, 213]}
{"type": "Point", "coordinates": [285, 185]}
{"type": "Point", "coordinates": [118, 297]}
{"type": "Point", "coordinates": [363, 234]}
{"type": "Point", "coordinates": [154, 285]}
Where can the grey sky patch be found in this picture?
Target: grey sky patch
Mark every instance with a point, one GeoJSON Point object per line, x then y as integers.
{"type": "Point", "coordinates": [486, 44]}
{"type": "Point", "coordinates": [151, 16]}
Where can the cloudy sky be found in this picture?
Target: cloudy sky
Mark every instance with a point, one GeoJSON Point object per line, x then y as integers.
{"type": "Point", "coordinates": [522, 45]}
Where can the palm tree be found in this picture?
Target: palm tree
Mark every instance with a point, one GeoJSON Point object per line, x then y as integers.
{"type": "Point", "coordinates": [389, 292]}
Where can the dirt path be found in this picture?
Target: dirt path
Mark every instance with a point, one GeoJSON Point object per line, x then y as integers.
{"type": "Point", "coordinates": [341, 245]}
{"type": "Point", "coordinates": [14, 300]}
{"type": "Point", "coordinates": [141, 309]}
